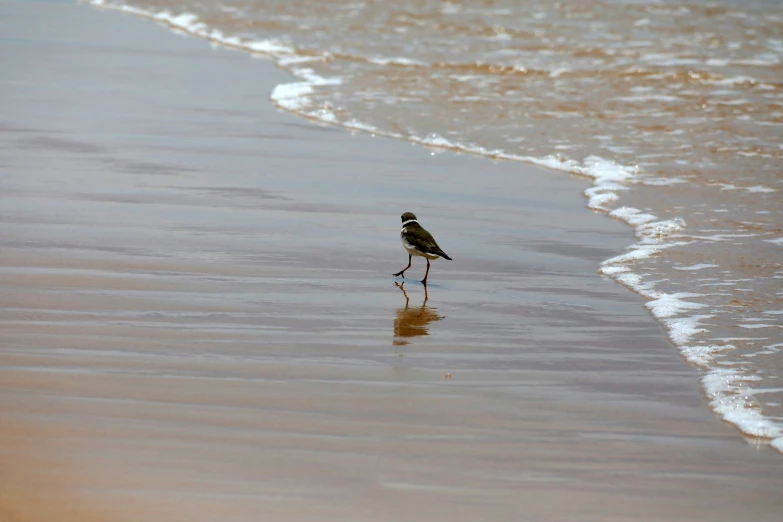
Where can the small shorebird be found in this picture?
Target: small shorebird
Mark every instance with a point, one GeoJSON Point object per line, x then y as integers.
{"type": "Point", "coordinates": [418, 242]}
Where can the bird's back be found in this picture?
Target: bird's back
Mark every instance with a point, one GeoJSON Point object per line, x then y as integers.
{"type": "Point", "coordinates": [418, 237]}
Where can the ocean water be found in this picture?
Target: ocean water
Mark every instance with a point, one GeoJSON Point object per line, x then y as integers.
{"type": "Point", "coordinates": [673, 108]}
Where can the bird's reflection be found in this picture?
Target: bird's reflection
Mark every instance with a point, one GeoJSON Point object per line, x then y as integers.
{"type": "Point", "coordinates": [413, 321]}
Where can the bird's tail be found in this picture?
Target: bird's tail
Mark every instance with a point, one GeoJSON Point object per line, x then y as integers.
{"type": "Point", "coordinates": [443, 254]}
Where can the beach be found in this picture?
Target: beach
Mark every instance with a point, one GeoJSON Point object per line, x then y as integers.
{"type": "Point", "coordinates": [199, 320]}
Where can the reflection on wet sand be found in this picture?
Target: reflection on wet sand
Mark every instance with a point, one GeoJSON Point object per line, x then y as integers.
{"type": "Point", "coordinates": [412, 322]}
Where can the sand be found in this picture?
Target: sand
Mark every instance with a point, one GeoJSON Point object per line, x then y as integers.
{"type": "Point", "coordinates": [199, 321]}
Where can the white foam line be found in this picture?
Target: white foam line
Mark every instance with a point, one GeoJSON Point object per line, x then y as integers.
{"type": "Point", "coordinates": [730, 397]}
{"type": "Point", "coordinates": [760, 391]}
{"type": "Point", "coordinates": [721, 237]}
{"type": "Point", "coordinates": [754, 326]}
{"type": "Point", "coordinates": [695, 267]}
{"type": "Point", "coordinates": [681, 330]}
{"type": "Point", "coordinates": [397, 61]}
{"type": "Point", "coordinates": [704, 355]}
{"type": "Point", "coordinates": [609, 180]}
{"type": "Point", "coordinates": [772, 348]}
{"type": "Point", "coordinates": [632, 216]}
{"type": "Point", "coordinates": [740, 339]}
{"type": "Point", "coordinates": [755, 188]}
{"type": "Point", "coordinates": [190, 24]}
{"type": "Point", "coordinates": [669, 305]}
{"type": "Point", "coordinates": [661, 182]}
{"type": "Point", "coordinates": [759, 188]}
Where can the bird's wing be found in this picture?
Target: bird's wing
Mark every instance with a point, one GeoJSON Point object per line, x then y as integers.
{"type": "Point", "coordinates": [422, 240]}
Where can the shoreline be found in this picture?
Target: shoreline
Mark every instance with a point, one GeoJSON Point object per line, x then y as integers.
{"type": "Point", "coordinates": [699, 342]}
{"type": "Point", "coordinates": [183, 308]}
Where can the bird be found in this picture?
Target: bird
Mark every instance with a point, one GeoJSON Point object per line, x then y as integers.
{"type": "Point", "coordinates": [418, 242]}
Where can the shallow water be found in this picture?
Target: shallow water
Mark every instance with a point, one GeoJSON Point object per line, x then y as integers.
{"type": "Point", "coordinates": [674, 108]}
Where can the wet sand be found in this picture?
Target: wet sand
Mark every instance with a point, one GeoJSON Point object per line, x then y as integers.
{"type": "Point", "coordinates": [199, 320]}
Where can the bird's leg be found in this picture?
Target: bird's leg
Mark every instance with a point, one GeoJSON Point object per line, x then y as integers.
{"type": "Point", "coordinates": [424, 281]}
{"type": "Point", "coordinates": [407, 267]}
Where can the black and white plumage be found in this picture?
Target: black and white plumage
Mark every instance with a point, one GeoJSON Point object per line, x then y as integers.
{"type": "Point", "coordinates": [418, 242]}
